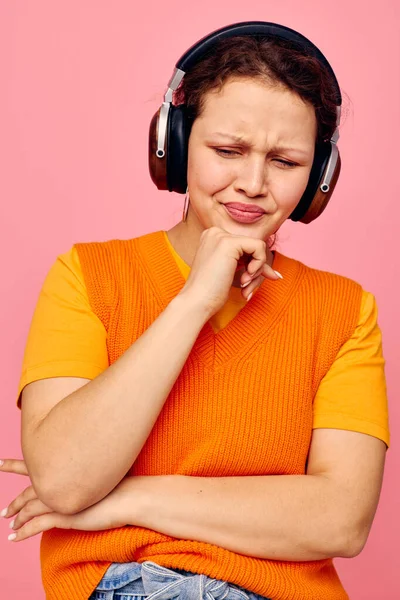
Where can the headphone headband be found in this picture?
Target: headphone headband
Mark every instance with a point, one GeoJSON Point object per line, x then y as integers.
{"type": "Point", "coordinates": [250, 28]}
{"type": "Point", "coordinates": [254, 28]}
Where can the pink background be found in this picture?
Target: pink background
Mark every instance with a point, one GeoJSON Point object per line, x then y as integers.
{"type": "Point", "coordinates": [80, 82]}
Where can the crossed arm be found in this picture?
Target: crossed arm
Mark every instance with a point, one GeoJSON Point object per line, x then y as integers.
{"type": "Point", "coordinates": [327, 512]}
{"type": "Point", "coordinates": [323, 514]}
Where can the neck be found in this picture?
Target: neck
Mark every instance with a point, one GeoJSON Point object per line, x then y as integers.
{"type": "Point", "coordinates": [185, 238]}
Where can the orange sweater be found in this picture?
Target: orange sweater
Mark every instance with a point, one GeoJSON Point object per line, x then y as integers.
{"type": "Point", "coordinates": [242, 405]}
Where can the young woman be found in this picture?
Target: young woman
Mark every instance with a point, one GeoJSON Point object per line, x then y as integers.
{"type": "Point", "coordinates": [201, 414]}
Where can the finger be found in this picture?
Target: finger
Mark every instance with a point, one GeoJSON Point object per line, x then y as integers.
{"type": "Point", "coordinates": [244, 261]}
{"type": "Point", "coordinates": [32, 509]}
{"type": "Point", "coordinates": [249, 290]}
{"type": "Point", "coordinates": [38, 525]}
{"type": "Point", "coordinates": [270, 273]}
{"type": "Point", "coordinates": [256, 250]}
{"type": "Point", "coordinates": [20, 501]}
{"type": "Point", "coordinates": [259, 260]}
{"type": "Point", "coordinates": [13, 465]}
{"type": "Point", "coordinates": [265, 270]}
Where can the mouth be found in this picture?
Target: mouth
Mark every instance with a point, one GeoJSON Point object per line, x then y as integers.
{"type": "Point", "coordinates": [244, 213]}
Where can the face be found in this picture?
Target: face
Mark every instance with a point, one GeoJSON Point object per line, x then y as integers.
{"type": "Point", "coordinates": [253, 144]}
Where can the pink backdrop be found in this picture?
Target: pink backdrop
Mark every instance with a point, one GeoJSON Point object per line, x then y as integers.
{"type": "Point", "coordinates": [79, 84]}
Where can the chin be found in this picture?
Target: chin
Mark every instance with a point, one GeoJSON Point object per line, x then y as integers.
{"type": "Point", "coordinates": [256, 230]}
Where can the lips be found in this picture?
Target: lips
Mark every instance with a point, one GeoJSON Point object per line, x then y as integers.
{"type": "Point", "coordinates": [244, 213]}
{"type": "Point", "coordinates": [253, 208]}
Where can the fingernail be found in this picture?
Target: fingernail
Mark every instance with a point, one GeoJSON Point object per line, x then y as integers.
{"type": "Point", "coordinates": [249, 296]}
{"type": "Point", "coordinates": [279, 275]}
{"type": "Point", "coordinates": [4, 512]}
{"type": "Point", "coordinates": [12, 524]}
{"type": "Point", "coordinates": [243, 285]}
{"type": "Point", "coordinates": [12, 536]}
{"type": "Point", "coordinates": [1, 462]}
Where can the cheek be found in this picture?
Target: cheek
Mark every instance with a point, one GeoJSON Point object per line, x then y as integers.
{"type": "Point", "coordinates": [208, 172]}
{"type": "Point", "coordinates": [287, 190]}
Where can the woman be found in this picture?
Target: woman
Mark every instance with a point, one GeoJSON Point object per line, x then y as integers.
{"type": "Point", "coordinates": [202, 414]}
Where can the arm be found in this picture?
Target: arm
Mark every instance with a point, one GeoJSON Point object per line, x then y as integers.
{"type": "Point", "coordinates": [323, 514]}
{"type": "Point", "coordinates": [64, 431]}
{"type": "Point", "coordinates": [67, 472]}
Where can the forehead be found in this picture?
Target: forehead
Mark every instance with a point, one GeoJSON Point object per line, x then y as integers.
{"type": "Point", "coordinates": [251, 107]}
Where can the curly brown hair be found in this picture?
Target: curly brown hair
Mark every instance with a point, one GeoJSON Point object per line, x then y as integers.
{"type": "Point", "coordinates": [275, 61]}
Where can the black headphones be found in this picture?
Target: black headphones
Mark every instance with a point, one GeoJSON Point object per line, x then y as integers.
{"type": "Point", "coordinates": [170, 126]}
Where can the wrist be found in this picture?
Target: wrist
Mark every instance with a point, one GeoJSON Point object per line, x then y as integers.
{"type": "Point", "coordinates": [189, 304]}
{"type": "Point", "coordinates": [145, 496]}
{"type": "Point", "coordinates": [133, 500]}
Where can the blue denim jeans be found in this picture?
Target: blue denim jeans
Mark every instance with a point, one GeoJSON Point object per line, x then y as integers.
{"type": "Point", "coordinates": [149, 581]}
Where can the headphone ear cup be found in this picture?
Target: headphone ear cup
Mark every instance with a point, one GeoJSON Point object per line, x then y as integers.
{"type": "Point", "coordinates": [314, 200]}
{"type": "Point", "coordinates": [170, 172]}
{"type": "Point", "coordinates": [157, 166]}
{"type": "Point", "coordinates": [178, 131]}
{"type": "Point", "coordinates": [321, 199]}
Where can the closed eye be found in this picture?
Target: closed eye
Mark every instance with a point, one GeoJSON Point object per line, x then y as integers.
{"type": "Point", "coordinates": [286, 162]}
{"type": "Point", "coordinates": [224, 152]}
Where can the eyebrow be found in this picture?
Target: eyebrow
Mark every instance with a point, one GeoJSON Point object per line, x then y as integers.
{"type": "Point", "coordinates": [240, 139]}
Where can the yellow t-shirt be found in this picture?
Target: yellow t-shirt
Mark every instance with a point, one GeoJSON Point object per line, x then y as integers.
{"type": "Point", "coordinates": [66, 338]}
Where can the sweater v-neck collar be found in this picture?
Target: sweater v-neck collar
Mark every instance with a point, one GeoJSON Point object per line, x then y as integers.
{"type": "Point", "coordinates": [256, 319]}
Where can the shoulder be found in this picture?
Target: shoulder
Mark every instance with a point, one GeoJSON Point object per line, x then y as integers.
{"type": "Point", "coordinates": [64, 275]}
{"type": "Point", "coordinates": [119, 243]}
{"type": "Point", "coordinates": [114, 251]}
{"type": "Point", "coordinates": [334, 302]}
{"type": "Point", "coordinates": [368, 331]}
{"type": "Point", "coordinates": [325, 283]}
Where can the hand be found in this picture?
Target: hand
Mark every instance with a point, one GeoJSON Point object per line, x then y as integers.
{"type": "Point", "coordinates": [215, 264]}
{"type": "Point", "coordinates": [37, 507]}
{"type": "Point", "coordinates": [32, 516]}
{"type": "Point", "coordinates": [14, 465]}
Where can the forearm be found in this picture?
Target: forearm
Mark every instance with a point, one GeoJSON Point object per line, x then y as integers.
{"type": "Point", "coordinates": [90, 439]}
{"type": "Point", "coordinates": [285, 517]}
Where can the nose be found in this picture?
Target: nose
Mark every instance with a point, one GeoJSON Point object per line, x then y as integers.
{"type": "Point", "coordinates": [251, 178]}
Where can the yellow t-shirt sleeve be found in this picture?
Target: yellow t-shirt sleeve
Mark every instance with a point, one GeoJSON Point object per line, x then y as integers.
{"type": "Point", "coordinates": [353, 393]}
{"type": "Point", "coordinates": [66, 338]}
